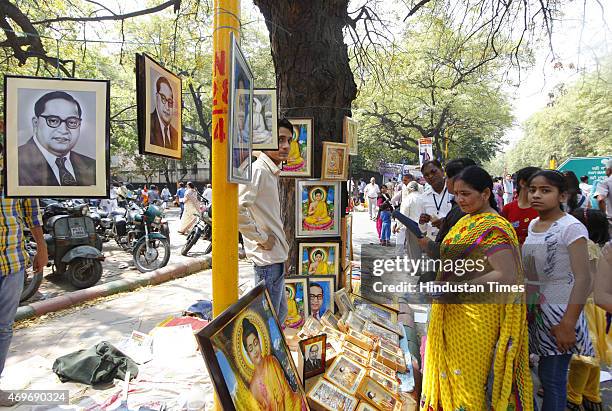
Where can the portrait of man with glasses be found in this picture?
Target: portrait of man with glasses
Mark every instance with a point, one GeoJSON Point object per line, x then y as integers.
{"type": "Point", "coordinates": [48, 157]}
{"type": "Point", "coordinates": [163, 134]}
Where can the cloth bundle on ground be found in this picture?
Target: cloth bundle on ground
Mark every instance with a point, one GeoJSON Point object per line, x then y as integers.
{"type": "Point", "coordinates": [101, 363]}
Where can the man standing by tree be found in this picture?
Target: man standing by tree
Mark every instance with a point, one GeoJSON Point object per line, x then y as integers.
{"type": "Point", "coordinates": [260, 222]}
{"type": "Point", "coordinates": [15, 215]}
{"type": "Point", "coordinates": [371, 192]}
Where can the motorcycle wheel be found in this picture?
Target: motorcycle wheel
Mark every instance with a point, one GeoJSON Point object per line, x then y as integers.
{"type": "Point", "coordinates": [165, 230]}
{"type": "Point", "coordinates": [84, 272]}
{"type": "Point", "coordinates": [208, 249]}
{"type": "Point", "coordinates": [31, 283]}
{"type": "Point", "coordinates": [192, 238]}
{"type": "Point", "coordinates": [146, 263]}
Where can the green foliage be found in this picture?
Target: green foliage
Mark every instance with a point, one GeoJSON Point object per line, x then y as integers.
{"type": "Point", "coordinates": [576, 123]}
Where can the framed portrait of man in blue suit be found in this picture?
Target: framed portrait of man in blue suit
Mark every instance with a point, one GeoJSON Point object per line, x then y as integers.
{"type": "Point", "coordinates": [57, 137]}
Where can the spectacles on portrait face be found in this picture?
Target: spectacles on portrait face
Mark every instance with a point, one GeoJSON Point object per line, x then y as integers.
{"type": "Point", "coordinates": [165, 100]}
{"type": "Point", "coordinates": [316, 296]}
{"type": "Point", "coordinates": [56, 121]}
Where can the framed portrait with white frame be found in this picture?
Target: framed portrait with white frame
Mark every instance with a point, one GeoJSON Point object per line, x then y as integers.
{"type": "Point", "coordinates": [159, 102]}
{"type": "Point", "coordinates": [317, 208]}
{"type": "Point", "coordinates": [319, 258]}
{"type": "Point", "coordinates": [265, 119]}
{"type": "Point", "coordinates": [299, 163]}
{"type": "Point", "coordinates": [57, 141]}
{"type": "Point", "coordinates": [240, 131]}
{"type": "Point", "coordinates": [335, 164]}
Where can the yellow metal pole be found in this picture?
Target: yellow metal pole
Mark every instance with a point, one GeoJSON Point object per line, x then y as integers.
{"type": "Point", "coordinates": [225, 194]}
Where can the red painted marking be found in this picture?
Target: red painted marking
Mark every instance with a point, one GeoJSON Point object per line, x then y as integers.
{"type": "Point", "coordinates": [225, 91]}
{"type": "Point", "coordinates": [220, 63]}
{"type": "Point", "coordinates": [219, 132]}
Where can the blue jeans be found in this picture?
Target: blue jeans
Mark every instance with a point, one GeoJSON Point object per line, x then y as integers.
{"type": "Point", "coordinates": [274, 277]}
{"type": "Point", "coordinates": [552, 371]}
{"type": "Point", "coordinates": [10, 291]}
{"type": "Point", "coordinates": [385, 232]}
{"type": "Point", "coordinates": [182, 206]}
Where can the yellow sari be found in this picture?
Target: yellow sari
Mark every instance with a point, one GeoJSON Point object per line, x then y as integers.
{"type": "Point", "coordinates": [271, 389]}
{"type": "Point", "coordinates": [464, 340]}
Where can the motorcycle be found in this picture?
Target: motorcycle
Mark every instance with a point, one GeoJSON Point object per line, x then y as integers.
{"type": "Point", "coordinates": [148, 240]}
{"type": "Point", "coordinates": [202, 228]}
{"type": "Point", "coordinates": [74, 248]}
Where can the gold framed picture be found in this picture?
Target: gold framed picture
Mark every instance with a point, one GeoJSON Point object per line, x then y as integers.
{"type": "Point", "coordinates": [380, 333]}
{"type": "Point", "coordinates": [389, 383]}
{"type": "Point", "coordinates": [380, 367]}
{"type": "Point", "coordinates": [335, 164]}
{"type": "Point", "coordinates": [330, 320]}
{"type": "Point", "coordinates": [299, 162]}
{"type": "Point", "coordinates": [391, 360]}
{"type": "Point", "coordinates": [325, 396]}
{"type": "Point", "coordinates": [386, 345]}
{"type": "Point", "coordinates": [333, 334]}
{"type": "Point", "coordinates": [357, 350]}
{"type": "Point", "coordinates": [319, 258]}
{"type": "Point", "coordinates": [377, 395]}
{"type": "Point", "coordinates": [346, 373]}
{"type": "Point", "coordinates": [350, 129]}
{"type": "Point", "coordinates": [360, 340]}
{"type": "Point", "coordinates": [343, 301]}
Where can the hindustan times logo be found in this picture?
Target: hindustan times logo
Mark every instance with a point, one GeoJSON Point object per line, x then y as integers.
{"type": "Point", "coordinates": [413, 266]}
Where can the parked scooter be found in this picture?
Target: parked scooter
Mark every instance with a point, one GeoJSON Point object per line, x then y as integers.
{"type": "Point", "coordinates": [73, 246]}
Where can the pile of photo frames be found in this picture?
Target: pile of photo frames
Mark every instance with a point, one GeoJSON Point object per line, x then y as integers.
{"type": "Point", "coordinates": [363, 365]}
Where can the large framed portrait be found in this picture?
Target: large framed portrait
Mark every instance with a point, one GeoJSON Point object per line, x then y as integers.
{"type": "Point", "coordinates": [265, 119]}
{"type": "Point", "coordinates": [350, 130]}
{"type": "Point", "coordinates": [317, 208]}
{"type": "Point", "coordinates": [159, 101]}
{"type": "Point", "coordinates": [335, 164]}
{"type": "Point", "coordinates": [296, 290]}
{"type": "Point", "coordinates": [321, 295]}
{"type": "Point", "coordinates": [248, 359]}
{"type": "Point", "coordinates": [240, 117]}
{"type": "Point", "coordinates": [57, 141]}
{"type": "Point", "coordinates": [299, 163]}
{"type": "Point", "coordinates": [319, 258]}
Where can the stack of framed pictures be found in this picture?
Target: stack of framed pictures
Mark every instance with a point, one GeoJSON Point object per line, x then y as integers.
{"type": "Point", "coordinates": [308, 296]}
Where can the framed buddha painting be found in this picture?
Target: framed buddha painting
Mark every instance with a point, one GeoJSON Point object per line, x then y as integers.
{"type": "Point", "coordinates": [299, 163]}
{"type": "Point", "coordinates": [319, 258]}
{"type": "Point", "coordinates": [317, 208]}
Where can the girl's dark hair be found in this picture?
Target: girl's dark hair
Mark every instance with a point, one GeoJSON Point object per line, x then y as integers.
{"type": "Point", "coordinates": [477, 178]}
{"type": "Point", "coordinates": [573, 189]}
{"type": "Point", "coordinates": [596, 223]}
{"type": "Point", "coordinates": [523, 175]}
{"type": "Point", "coordinates": [554, 178]}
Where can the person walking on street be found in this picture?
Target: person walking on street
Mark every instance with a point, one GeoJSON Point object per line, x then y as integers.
{"type": "Point", "coordinates": [508, 189]}
{"type": "Point", "coordinates": [260, 220]}
{"type": "Point", "coordinates": [383, 202]}
{"type": "Point", "coordinates": [165, 195]}
{"type": "Point", "coordinates": [15, 216]}
{"type": "Point", "coordinates": [153, 194]}
{"type": "Point", "coordinates": [207, 194]}
{"type": "Point", "coordinates": [361, 187]}
{"type": "Point", "coordinates": [603, 193]}
{"type": "Point", "coordinates": [180, 195]}
{"type": "Point", "coordinates": [371, 192]}
{"type": "Point", "coordinates": [192, 209]}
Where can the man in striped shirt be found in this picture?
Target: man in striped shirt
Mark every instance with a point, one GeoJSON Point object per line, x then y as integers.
{"type": "Point", "coordinates": [15, 214]}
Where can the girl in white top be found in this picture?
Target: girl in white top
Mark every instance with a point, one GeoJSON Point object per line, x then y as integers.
{"type": "Point", "coordinates": [556, 262]}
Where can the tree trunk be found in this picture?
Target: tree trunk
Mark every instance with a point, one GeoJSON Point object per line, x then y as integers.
{"type": "Point", "coordinates": [313, 79]}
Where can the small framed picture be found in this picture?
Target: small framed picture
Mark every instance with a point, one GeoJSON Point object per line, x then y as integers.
{"type": "Point", "coordinates": [357, 358]}
{"type": "Point", "coordinates": [311, 327]}
{"type": "Point", "coordinates": [159, 100]}
{"type": "Point", "coordinates": [265, 119]}
{"type": "Point", "coordinates": [359, 340]}
{"type": "Point", "coordinates": [390, 384]}
{"type": "Point", "coordinates": [384, 344]}
{"type": "Point", "coordinates": [357, 350]}
{"type": "Point", "coordinates": [320, 258]}
{"type": "Point", "coordinates": [325, 396]}
{"type": "Point", "coordinates": [350, 130]}
{"type": "Point", "coordinates": [240, 135]}
{"type": "Point", "coordinates": [242, 347]}
{"type": "Point", "coordinates": [57, 141]}
{"type": "Point", "coordinates": [335, 164]}
{"type": "Point", "coordinates": [377, 395]}
{"type": "Point", "coordinates": [346, 373]}
{"type": "Point", "coordinates": [321, 295]}
{"type": "Point", "coordinates": [352, 321]}
{"type": "Point", "coordinates": [330, 320]}
{"type": "Point", "coordinates": [364, 406]}
{"type": "Point", "coordinates": [297, 302]}
{"type": "Point", "coordinates": [379, 333]}
{"type": "Point", "coordinates": [378, 309]}
{"type": "Point", "coordinates": [313, 353]}
{"type": "Point", "coordinates": [382, 368]}
{"type": "Point", "coordinates": [317, 208]}
{"type": "Point", "coordinates": [343, 301]}
{"type": "Point", "coordinates": [299, 163]}
{"type": "Point", "coordinates": [391, 360]}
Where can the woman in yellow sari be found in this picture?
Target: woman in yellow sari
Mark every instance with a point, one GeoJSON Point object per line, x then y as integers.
{"type": "Point", "coordinates": [467, 340]}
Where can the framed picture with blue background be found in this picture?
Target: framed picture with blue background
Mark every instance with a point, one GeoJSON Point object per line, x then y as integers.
{"type": "Point", "coordinates": [321, 290]}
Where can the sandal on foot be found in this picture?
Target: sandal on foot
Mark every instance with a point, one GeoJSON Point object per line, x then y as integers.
{"type": "Point", "coordinates": [591, 406]}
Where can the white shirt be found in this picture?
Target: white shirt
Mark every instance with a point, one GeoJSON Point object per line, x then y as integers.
{"type": "Point", "coordinates": [259, 212]}
{"type": "Point", "coordinates": [50, 157]}
{"type": "Point", "coordinates": [436, 204]}
{"type": "Point", "coordinates": [586, 190]}
{"type": "Point", "coordinates": [372, 190]}
{"type": "Point", "coordinates": [604, 188]}
{"type": "Point", "coordinates": [207, 194]}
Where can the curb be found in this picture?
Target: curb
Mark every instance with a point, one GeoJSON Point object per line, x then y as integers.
{"type": "Point", "coordinates": [159, 276]}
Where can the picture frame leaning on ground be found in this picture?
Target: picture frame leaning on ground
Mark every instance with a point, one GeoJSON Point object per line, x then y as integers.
{"type": "Point", "coordinates": [159, 109]}
{"type": "Point", "coordinates": [248, 358]}
{"type": "Point", "coordinates": [57, 141]}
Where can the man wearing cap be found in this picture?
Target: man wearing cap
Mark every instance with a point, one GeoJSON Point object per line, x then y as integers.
{"type": "Point", "coordinates": [603, 194]}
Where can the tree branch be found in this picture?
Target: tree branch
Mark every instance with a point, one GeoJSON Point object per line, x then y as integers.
{"type": "Point", "coordinates": [416, 8]}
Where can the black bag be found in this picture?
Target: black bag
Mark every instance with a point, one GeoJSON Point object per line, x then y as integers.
{"type": "Point", "coordinates": [99, 364]}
